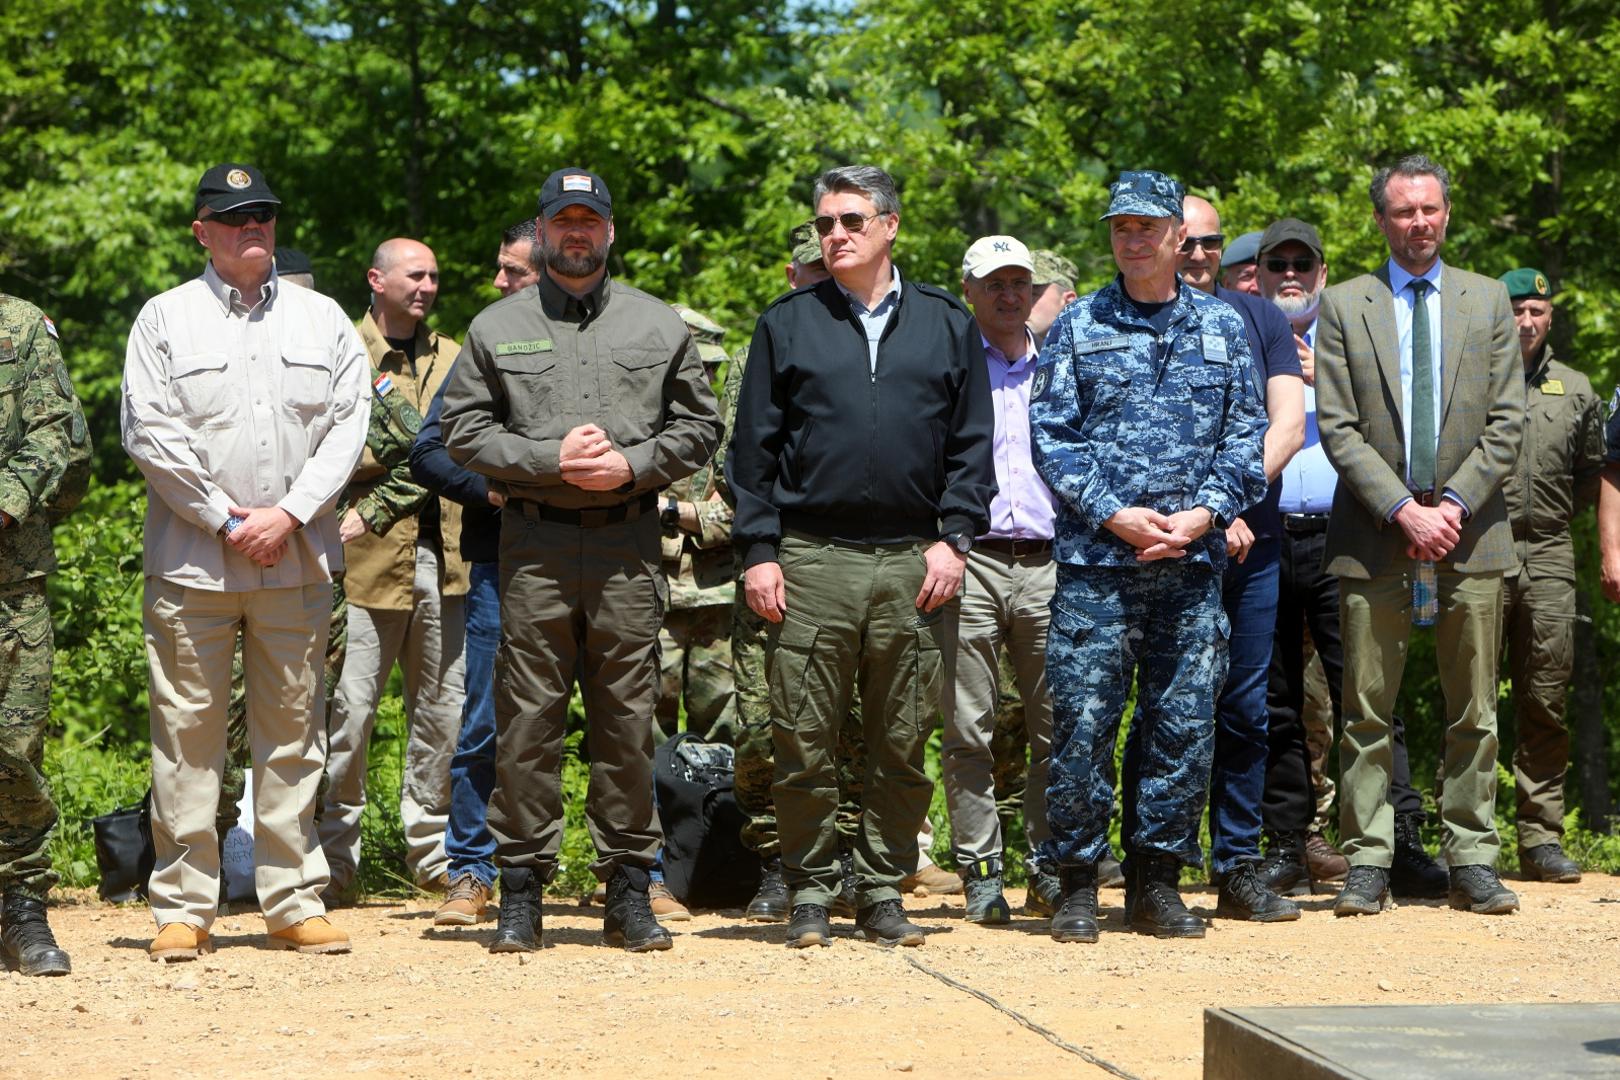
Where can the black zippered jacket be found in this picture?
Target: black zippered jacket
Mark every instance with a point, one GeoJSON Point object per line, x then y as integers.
{"type": "Point", "coordinates": [821, 445]}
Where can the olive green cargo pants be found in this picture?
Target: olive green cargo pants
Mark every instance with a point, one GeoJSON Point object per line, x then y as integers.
{"type": "Point", "coordinates": [1539, 624]}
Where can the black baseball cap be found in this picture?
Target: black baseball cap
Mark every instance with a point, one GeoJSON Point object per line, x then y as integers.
{"type": "Point", "coordinates": [574, 187]}
{"type": "Point", "coordinates": [292, 261]}
{"type": "Point", "coordinates": [1286, 229]}
{"type": "Point", "coordinates": [228, 186]}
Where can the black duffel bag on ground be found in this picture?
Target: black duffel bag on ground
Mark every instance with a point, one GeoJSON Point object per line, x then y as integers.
{"type": "Point", "coordinates": [705, 862]}
{"type": "Point", "coordinates": [124, 851]}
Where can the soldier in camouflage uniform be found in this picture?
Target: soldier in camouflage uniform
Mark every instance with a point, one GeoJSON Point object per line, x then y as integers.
{"type": "Point", "coordinates": [694, 644]}
{"type": "Point", "coordinates": [46, 451]}
{"type": "Point", "coordinates": [1147, 424]}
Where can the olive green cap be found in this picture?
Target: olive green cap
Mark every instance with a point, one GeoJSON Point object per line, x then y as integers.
{"type": "Point", "coordinates": [1526, 283]}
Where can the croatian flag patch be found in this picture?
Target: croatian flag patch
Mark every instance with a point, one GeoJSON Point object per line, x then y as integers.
{"type": "Point", "coordinates": [384, 383]}
{"type": "Point", "coordinates": [576, 182]}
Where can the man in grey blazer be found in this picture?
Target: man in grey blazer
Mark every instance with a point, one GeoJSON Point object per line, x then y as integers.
{"type": "Point", "coordinates": [1420, 402]}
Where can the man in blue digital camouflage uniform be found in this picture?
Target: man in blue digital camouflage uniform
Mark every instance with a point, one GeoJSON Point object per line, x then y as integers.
{"type": "Point", "coordinates": [1147, 424]}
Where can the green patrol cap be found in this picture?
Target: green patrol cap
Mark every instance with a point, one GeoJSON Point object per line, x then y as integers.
{"type": "Point", "coordinates": [1526, 283]}
{"type": "Point", "coordinates": [705, 331]}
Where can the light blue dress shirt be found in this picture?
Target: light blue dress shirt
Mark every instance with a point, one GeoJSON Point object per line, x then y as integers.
{"type": "Point", "coordinates": [1309, 479]}
{"type": "Point", "coordinates": [875, 320]}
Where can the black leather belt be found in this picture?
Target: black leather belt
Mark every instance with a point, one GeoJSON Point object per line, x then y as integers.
{"type": "Point", "coordinates": [1305, 523]}
{"type": "Point", "coordinates": [1016, 548]}
{"type": "Point", "coordinates": [587, 519]}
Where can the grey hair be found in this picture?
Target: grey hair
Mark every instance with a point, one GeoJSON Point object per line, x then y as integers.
{"type": "Point", "coordinates": [1410, 165]}
{"type": "Point", "coordinates": [868, 180]}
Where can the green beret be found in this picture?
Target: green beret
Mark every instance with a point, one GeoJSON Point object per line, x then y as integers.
{"type": "Point", "coordinates": [1526, 283]}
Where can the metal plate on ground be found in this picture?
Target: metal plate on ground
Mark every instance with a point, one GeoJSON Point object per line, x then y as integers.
{"type": "Point", "coordinates": [1412, 1042]}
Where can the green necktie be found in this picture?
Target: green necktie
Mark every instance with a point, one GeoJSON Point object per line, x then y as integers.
{"type": "Point", "coordinates": [1422, 392]}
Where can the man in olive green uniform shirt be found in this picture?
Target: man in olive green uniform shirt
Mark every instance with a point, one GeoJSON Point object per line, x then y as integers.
{"type": "Point", "coordinates": [1556, 476]}
{"type": "Point", "coordinates": [44, 467]}
{"type": "Point", "coordinates": [582, 398]}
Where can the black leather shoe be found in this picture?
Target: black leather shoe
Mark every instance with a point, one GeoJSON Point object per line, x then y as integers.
{"type": "Point", "coordinates": [1044, 894]}
{"type": "Point", "coordinates": [1244, 896]}
{"type": "Point", "coordinates": [885, 923]}
{"type": "Point", "coordinates": [519, 927]}
{"type": "Point", "coordinates": [1413, 873]}
{"type": "Point", "coordinates": [809, 927]}
{"type": "Point", "coordinates": [27, 942]}
{"type": "Point", "coordinates": [1076, 917]}
{"type": "Point", "coordinates": [628, 920]}
{"type": "Point", "coordinates": [770, 902]}
{"type": "Point", "coordinates": [1159, 909]}
{"type": "Point", "coordinates": [1478, 889]}
{"type": "Point", "coordinates": [1283, 870]}
{"type": "Point", "coordinates": [843, 904]}
{"type": "Point", "coordinates": [1547, 862]}
{"type": "Point", "coordinates": [1365, 892]}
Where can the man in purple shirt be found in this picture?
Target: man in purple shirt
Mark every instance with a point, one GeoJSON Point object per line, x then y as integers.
{"type": "Point", "coordinates": [1006, 591]}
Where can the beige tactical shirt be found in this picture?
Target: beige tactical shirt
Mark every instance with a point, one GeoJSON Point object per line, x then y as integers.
{"type": "Point", "coordinates": [253, 402]}
{"type": "Point", "coordinates": [382, 566]}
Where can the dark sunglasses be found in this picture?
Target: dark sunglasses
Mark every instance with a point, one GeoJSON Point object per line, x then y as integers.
{"type": "Point", "coordinates": [1212, 242]}
{"type": "Point", "coordinates": [852, 222]}
{"type": "Point", "coordinates": [1302, 265]}
{"type": "Point", "coordinates": [235, 219]}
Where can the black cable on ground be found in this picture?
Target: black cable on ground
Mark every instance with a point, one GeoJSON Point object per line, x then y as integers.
{"type": "Point", "coordinates": [1046, 1033]}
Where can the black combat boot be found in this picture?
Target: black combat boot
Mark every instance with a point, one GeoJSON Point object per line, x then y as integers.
{"type": "Point", "coordinates": [1413, 874]}
{"type": "Point", "coordinates": [1076, 916]}
{"type": "Point", "coordinates": [843, 904]}
{"type": "Point", "coordinates": [1244, 896]}
{"type": "Point", "coordinates": [27, 941]}
{"type": "Point", "coordinates": [1159, 910]}
{"type": "Point", "coordinates": [981, 884]}
{"type": "Point", "coordinates": [1284, 870]}
{"type": "Point", "coordinates": [628, 920]}
{"type": "Point", "coordinates": [1365, 892]}
{"type": "Point", "coordinates": [1478, 889]}
{"type": "Point", "coordinates": [1547, 862]}
{"type": "Point", "coordinates": [809, 927]}
{"type": "Point", "coordinates": [519, 928]}
{"type": "Point", "coordinates": [770, 902]}
{"type": "Point", "coordinates": [885, 923]}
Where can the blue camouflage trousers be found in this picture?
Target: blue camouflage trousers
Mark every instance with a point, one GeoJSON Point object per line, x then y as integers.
{"type": "Point", "coordinates": [1163, 623]}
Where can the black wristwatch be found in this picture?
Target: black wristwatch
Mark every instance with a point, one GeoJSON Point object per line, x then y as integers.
{"type": "Point", "coordinates": [962, 542]}
{"type": "Point", "coordinates": [670, 518]}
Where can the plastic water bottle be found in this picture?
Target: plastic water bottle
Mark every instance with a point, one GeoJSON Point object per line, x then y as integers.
{"type": "Point", "coordinates": [1425, 594]}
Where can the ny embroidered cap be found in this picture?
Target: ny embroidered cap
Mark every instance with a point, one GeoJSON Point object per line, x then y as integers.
{"type": "Point", "coordinates": [232, 185]}
{"type": "Point", "coordinates": [1145, 193]}
{"type": "Point", "coordinates": [1527, 283]}
{"type": "Point", "coordinates": [1283, 230]}
{"type": "Point", "coordinates": [1242, 251]}
{"type": "Point", "coordinates": [1050, 267]}
{"type": "Point", "coordinates": [990, 253]}
{"type": "Point", "coordinates": [574, 187]}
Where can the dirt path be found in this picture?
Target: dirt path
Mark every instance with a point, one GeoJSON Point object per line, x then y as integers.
{"type": "Point", "coordinates": [730, 1001]}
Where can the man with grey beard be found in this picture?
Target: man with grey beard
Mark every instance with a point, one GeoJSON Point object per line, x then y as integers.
{"type": "Point", "coordinates": [1292, 272]}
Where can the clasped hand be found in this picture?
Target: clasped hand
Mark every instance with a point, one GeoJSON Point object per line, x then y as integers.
{"type": "Point", "coordinates": [588, 461]}
{"type": "Point", "coordinates": [1159, 536]}
{"type": "Point", "coordinates": [1432, 530]}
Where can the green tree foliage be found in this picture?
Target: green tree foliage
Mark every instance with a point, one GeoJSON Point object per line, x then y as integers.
{"type": "Point", "coordinates": [439, 118]}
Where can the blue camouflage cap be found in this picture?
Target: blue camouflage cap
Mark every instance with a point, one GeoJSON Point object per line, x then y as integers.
{"type": "Point", "coordinates": [1144, 193]}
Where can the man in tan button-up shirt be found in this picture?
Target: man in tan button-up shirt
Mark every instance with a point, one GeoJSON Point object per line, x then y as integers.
{"type": "Point", "coordinates": [406, 587]}
{"type": "Point", "coordinates": [245, 406]}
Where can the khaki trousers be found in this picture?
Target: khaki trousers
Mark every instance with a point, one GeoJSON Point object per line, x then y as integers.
{"type": "Point", "coordinates": [1375, 621]}
{"type": "Point", "coordinates": [429, 643]}
{"type": "Point", "coordinates": [190, 640]}
{"type": "Point", "coordinates": [1539, 622]}
{"type": "Point", "coordinates": [852, 621]}
{"type": "Point", "coordinates": [1004, 610]}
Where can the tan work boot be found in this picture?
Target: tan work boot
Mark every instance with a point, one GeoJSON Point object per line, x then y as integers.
{"type": "Point", "coordinates": [179, 941]}
{"type": "Point", "coordinates": [316, 935]}
{"type": "Point", "coordinates": [665, 907]}
{"type": "Point", "coordinates": [467, 903]}
{"type": "Point", "coordinates": [932, 881]}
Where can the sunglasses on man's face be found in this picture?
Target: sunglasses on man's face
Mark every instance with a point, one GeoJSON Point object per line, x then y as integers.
{"type": "Point", "coordinates": [235, 219]}
{"type": "Point", "coordinates": [1301, 266]}
{"type": "Point", "coordinates": [852, 222]}
{"type": "Point", "coordinates": [1210, 242]}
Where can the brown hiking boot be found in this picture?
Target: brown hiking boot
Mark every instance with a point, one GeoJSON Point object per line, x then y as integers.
{"type": "Point", "coordinates": [665, 907]}
{"type": "Point", "coordinates": [1324, 860]}
{"type": "Point", "coordinates": [178, 941]}
{"type": "Point", "coordinates": [466, 904]}
{"type": "Point", "coordinates": [316, 935]}
{"type": "Point", "coordinates": [932, 881]}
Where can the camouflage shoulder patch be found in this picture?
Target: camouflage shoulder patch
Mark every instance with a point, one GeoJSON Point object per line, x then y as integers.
{"type": "Point", "coordinates": [1043, 379]}
{"type": "Point", "coordinates": [514, 348]}
{"type": "Point", "coordinates": [63, 382]}
{"type": "Point", "coordinates": [76, 429]}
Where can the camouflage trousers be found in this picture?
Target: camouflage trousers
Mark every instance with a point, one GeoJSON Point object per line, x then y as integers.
{"type": "Point", "coordinates": [1164, 624]}
{"type": "Point", "coordinates": [27, 812]}
{"type": "Point", "coordinates": [756, 749]}
{"type": "Point", "coordinates": [694, 669]}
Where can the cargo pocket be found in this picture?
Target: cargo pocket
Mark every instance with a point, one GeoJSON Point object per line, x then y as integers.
{"type": "Point", "coordinates": [928, 672]}
{"type": "Point", "coordinates": [201, 382]}
{"type": "Point", "coordinates": [790, 649]}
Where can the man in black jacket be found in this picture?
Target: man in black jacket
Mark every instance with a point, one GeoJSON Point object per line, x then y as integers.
{"type": "Point", "coordinates": [861, 466]}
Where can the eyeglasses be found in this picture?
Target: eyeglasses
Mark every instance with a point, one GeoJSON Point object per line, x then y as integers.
{"type": "Point", "coordinates": [1303, 265]}
{"type": "Point", "coordinates": [852, 222]}
{"type": "Point", "coordinates": [1212, 242]}
{"type": "Point", "coordinates": [235, 219]}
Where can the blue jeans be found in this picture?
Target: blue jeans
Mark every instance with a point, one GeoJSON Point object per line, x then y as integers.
{"type": "Point", "coordinates": [1237, 782]}
{"type": "Point", "coordinates": [467, 839]}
